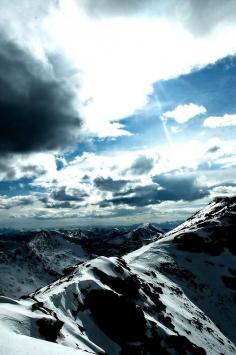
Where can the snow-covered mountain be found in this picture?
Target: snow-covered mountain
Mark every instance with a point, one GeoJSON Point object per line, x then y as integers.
{"type": "Point", "coordinates": [175, 295]}
{"type": "Point", "coordinates": [119, 241]}
{"type": "Point", "coordinates": [32, 260]}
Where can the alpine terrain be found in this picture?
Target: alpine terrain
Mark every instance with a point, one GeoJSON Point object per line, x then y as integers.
{"type": "Point", "coordinates": [122, 291]}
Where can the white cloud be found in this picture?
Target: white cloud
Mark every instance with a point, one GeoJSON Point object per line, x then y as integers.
{"type": "Point", "coordinates": [119, 58]}
{"type": "Point", "coordinates": [184, 113]}
{"type": "Point", "coordinates": [220, 121]}
{"type": "Point", "coordinates": [83, 170]}
{"type": "Point", "coordinates": [17, 166]}
{"type": "Point", "coordinates": [223, 191]}
{"type": "Point", "coordinates": [115, 165]}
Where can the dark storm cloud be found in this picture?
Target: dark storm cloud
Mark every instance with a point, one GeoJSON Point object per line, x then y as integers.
{"type": "Point", "coordinates": [108, 184]}
{"type": "Point", "coordinates": [138, 196]}
{"type": "Point", "coordinates": [181, 187]}
{"type": "Point", "coordinates": [142, 165]}
{"type": "Point", "coordinates": [36, 109]}
{"type": "Point", "coordinates": [164, 188]}
{"type": "Point", "coordinates": [199, 16]}
{"type": "Point", "coordinates": [62, 194]}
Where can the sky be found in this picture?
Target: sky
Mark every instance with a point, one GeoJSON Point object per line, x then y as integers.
{"type": "Point", "coordinates": [115, 111]}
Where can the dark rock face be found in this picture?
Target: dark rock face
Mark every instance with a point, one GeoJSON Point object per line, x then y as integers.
{"type": "Point", "coordinates": [153, 345]}
{"type": "Point", "coordinates": [219, 238]}
{"type": "Point", "coordinates": [230, 282]}
{"type": "Point", "coordinates": [124, 322]}
{"type": "Point", "coordinates": [129, 286]}
{"type": "Point", "coordinates": [117, 315]}
{"type": "Point", "coordinates": [218, 226]}
{"type": "Point", "coordinates": [183, 346]}
{"type": "Point", "coordinates": [49, 328]}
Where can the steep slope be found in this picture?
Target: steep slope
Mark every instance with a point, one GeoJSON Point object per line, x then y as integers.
{"type": "Point", "coordinates": [106, 307]}
{"type": "Point", "coordinates": [163, 298]}
{"type": "Point", "coordinates": [200, 257]}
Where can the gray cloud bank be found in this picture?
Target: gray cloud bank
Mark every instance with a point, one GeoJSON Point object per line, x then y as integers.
{"type": "Point", "coordinates": [164, 188]}
{"type": "Point", "coordinates": [108, 184]}
{"type": "Point", "coordinates": [199, 16]}
{"type": "Point", "coordinates": [142, 165]}
{"type": "Point", "coordinates": [65, 195]}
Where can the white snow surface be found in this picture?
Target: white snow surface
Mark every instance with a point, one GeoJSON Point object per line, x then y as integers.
{"type": "Point", "coordinates": [17, 344]}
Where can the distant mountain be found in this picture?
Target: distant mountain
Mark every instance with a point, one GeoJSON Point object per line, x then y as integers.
{"type": "Point", "coordinates": [35, 260]}
{"type": "Point", "coordinates": [169, 225]}
{"type": "Point", "coordinates": [29, 260]}
{"type": "Point", "coordinates": [145, 232]}
{"type": "Point", "coordinates": [175, 295]}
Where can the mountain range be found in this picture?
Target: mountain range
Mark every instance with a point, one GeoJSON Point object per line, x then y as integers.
{"type": "Point", "coordinates": [122, 290]}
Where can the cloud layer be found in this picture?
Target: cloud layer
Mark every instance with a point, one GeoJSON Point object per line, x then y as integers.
{"type": "Point", "coordinates": [199, 16]}
{"type": "Point", "coordinates": [92, 188]}
{"type": "Point", "coordinates": [164, 188]}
